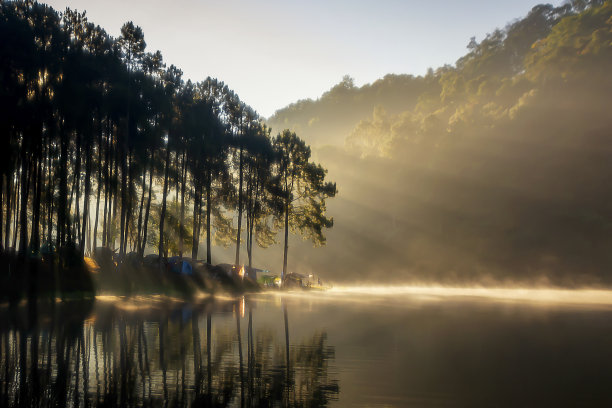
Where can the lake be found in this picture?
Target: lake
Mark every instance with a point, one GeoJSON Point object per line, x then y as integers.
{"type": "Point", "coordinates": [367, 347]}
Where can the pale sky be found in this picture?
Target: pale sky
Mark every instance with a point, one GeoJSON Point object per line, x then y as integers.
{"type": "Point", "coordinates": [276, 52]}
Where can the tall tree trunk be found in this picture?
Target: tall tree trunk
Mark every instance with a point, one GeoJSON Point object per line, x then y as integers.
{"type": "Point", "coordinates": [113, 217]}
{"type": "Point", "coordinates": [86, 195]}
{"type": "Point", "coordinates": [237, 260]}
{"type": "Point", "coordinates": [104, 215]}
{"type": "Point", "coordinates": [163, 210]}
{"type": "Point", "coordinates": [16, 200]}
{"type": "Point", "coordinates": [140, 211]}
{"type": "Point", "coordinates": [197, 203]}
{"type": "Point", "coordinates": [123, 204]}
{"type": "Point", "coordinates": [9, 191]}
{"type": "Point", "coordinates": [35, 235]}
{"type": "Point", "coordinates": [49, 198]}
{"type": "Point", "coordinates": [107, 185]}
{"type": "Point", "coordinates": [76, 186]}
{"type": "Point", "coordinates": [146, 218]}
{"type": "Point", "coordinates": [286, 246]}
{"type": "Point", "coordinates": [208, 210]}
{"type": "Point", "coordinates": [43, 205]}
{"type": "Point", "coordinates": [248, 219]}
{"type": "Point", "coordinates": [182, 216]}
{"type": "Point", "coordinates": [2, 183]}
{"type": "Point", "coordinates": [95, 224]}
{"type": "Point", "coordinates": [250, 241]}
{"type": "Point", "coordinates": [89, 250]}
{"type": "Point", "coordinates": [128, 204]}
{"type": "Point", "coordinates": [23, 213]}
{"type": "Point", "coordinates": [124, 172]}
{"type": "Point", "coordinates": [113, 214]}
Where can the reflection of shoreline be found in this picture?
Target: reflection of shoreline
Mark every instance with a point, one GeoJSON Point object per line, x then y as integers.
{"type": "Point", "coordinates": [170, 352]}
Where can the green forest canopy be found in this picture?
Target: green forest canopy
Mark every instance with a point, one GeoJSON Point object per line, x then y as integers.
{"type": "Point", "coordinates": [494, 169]}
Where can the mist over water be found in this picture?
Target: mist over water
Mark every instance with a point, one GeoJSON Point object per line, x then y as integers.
{"type": "Point", "coordinates": [524, 295]}
{"type": "Point", "coordinates": [352, 346]}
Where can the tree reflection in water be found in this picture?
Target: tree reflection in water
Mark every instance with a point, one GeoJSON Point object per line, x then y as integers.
{"type": "Point", "coordinates": [99, 354]}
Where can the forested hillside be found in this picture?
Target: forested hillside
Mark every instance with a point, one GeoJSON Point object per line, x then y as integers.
{"type": "Point", "coordinates": [498, 166]}
{"type": "Point", "coordinates": [103, 144]}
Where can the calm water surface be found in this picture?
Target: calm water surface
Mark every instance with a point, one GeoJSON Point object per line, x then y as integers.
{"type": "Point", "coordinates": [308, 349]}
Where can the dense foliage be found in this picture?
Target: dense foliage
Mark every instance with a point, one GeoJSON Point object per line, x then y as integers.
{"type": "Point", "coordinates": [97, 134]}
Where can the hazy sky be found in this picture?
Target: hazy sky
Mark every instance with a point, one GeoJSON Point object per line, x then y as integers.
{"type": "Point", "coordinates": [275, 52]}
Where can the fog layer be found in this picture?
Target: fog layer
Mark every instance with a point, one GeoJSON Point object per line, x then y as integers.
{"type": "Point", "coordinates": [495, 170]}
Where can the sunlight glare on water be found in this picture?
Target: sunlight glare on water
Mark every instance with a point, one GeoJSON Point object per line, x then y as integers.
{"type": "Point", "coordinates": [539, 295]}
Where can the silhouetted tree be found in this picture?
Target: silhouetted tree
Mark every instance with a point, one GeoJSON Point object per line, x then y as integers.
{"type": "Point", "coordinates": [303, 189]}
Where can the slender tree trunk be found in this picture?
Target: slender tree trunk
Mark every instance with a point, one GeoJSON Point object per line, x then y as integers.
{"type": "Point", "coordinates": [286, 246]}
{"type": "Point", "coordinates": [123, 205]}
{"type": "Point", "coordinates": [237, 261]}
{"type": "Point", "coordinates": [50, 191]}
{"type": "Point", "coordinates": [113, 217]}
{"type": "Point", "coordinates": [208, 210]}
{"type": "Point", "coordinates": [35, 235]}
{"type": "Point", "coordinates": [16, 200]}
{"type": "Point", "coordinates": [9, 191]}
{"type": "Point", "coordinates": [250, 242]}
{"type": "Point", "coordinates": [89, 237]}
{"type": "Point", "coordinates": [43, 205]}
{"type": "Point", "coordinates": [23, 214]}
{"type": "Point", "coordinates": [177, 180]}
{"type": "Point", "coordinates": [107, 188]}
{"type": "Point", "coordinates": [124, 173]}
{"type": "Point", "coordinates": [182, 216]}
{"type": "Point", "coordinates": [248, 236]}
{"type": "Point", "coordinates": [76, 184]}
{"type": "Point", "coordinates": [194, 243]}
{"type": "Point", "coordinates": [146, 218]}
{"type": "Point", "coordinates": [2, 183]}
{"type": "Point", "coordinates": [113, 214]}
{"type": "Point", "coordinates": [109, 229]}
{"type": "Point", "coordinates": [95, 228]}
{"type": "Point", "coordinates": [128, 210]}
{"type": "Point", "coordinates": [86, 195]}
{"type": "Point", "coordinates": [248, 211]}
{"type": "Point", "coordinates": [163, 210]}
{"type": "Point", "coordinates": [197, 209]}
{"type": "Point", "coordinates": [139, 226]}
{"type": "Point", "coordinates": [104, 216]}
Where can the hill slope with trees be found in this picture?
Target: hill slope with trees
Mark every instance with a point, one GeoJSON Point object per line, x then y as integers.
{"type": "Point", "coordinates": [494, 169]}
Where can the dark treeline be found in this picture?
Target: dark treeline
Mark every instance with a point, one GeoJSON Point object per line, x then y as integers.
{"type": "Point", "coordinates": [494, 169]}
{"type": "Point", "coordinates": [103, 144]}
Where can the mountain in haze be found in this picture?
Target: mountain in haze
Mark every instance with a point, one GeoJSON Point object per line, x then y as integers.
{"type": "Point", "coordinates": [496, 169]}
